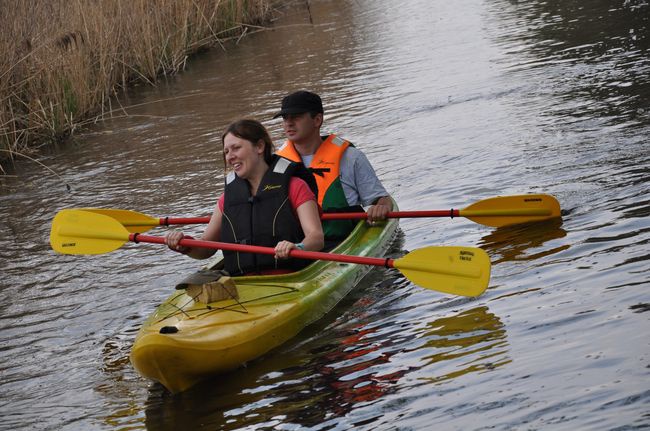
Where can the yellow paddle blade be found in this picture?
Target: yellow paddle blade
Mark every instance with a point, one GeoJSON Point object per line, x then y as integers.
{"type": "Point", "coordinates": [133, 221]}
{"type": "Point", "coordinates": [509, 210]}
{"type": "Point", "coordinates": [83, 232]}
{"type": "Point", "coordinates": [461, 271]}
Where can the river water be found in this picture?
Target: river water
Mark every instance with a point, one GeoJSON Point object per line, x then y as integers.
{"type": "Point", "coordinates": [453, 102]}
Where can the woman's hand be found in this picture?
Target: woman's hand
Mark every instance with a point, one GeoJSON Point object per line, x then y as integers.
{"type": "Point", "coordinates": [283, 248]}
{"type": "Point", "coordinates": [173, 239]}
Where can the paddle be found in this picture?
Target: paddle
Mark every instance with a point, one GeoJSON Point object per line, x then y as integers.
{"type": "Point", "coordinates": [456, 270]}
{"type": "Point", "coordinates": [496, 212]}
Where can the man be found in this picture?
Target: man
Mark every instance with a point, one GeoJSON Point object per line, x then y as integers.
{"type": "Point", "coordinates": [346, 180]}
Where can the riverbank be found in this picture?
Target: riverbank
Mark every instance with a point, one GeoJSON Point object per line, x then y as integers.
{"type": "Point", "coordinates": [63, 61]}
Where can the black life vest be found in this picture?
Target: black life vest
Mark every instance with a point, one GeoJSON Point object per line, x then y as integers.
{"type": "Point", "coordinates": [264, 219]}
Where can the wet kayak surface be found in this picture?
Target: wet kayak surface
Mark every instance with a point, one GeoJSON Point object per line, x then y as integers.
{"type": "Point", "coordinates": [453, 102]}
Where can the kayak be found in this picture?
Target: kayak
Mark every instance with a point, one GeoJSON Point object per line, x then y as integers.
{"type": "Point", "coordinates": [185, 341]}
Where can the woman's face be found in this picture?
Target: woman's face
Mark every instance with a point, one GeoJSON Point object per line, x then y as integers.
{"type": "Point", "coordinates": [242, 156]}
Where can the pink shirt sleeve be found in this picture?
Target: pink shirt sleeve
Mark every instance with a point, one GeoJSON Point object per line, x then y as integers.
{"type": "Point", "coordinates": [299, 193]}
{"type": "Point", "coordinates": [220, 203]}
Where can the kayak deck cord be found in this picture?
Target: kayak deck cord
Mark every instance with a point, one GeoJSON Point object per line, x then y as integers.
{"type": "Point", "coordinates": [210, 309]}
{"type": "Point", "coordinates": [193, 299]}
{"type": "Point", "coordinates": [180, 309]}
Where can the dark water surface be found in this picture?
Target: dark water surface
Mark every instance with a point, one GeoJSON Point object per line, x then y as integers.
{"type": "Point", "coordinates": [453, 102]}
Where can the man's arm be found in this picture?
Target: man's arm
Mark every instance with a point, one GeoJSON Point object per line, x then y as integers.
{"type": "Point", "coordinates": [371, 190]}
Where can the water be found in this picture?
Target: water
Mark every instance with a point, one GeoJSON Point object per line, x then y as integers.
{"type": "Point", "coordinates": [453, 102]}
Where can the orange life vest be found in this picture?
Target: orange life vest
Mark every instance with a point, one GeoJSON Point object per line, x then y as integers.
{"type": "Point", "coordinates": [325, 165]}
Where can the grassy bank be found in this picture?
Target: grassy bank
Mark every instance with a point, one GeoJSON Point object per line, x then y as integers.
{"type": "Point", "coordinates": [62, 60]}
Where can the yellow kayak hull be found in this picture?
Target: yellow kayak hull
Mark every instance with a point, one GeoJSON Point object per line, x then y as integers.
{"type": "Point", "coordinates": [185, 341]}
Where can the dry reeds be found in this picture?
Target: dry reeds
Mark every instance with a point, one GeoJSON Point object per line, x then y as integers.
{"type": "Point", "coordinates": [62, 60]}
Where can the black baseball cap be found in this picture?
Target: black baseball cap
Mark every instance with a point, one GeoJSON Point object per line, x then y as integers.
{"type": "Point", "coordinates": [300, 102]}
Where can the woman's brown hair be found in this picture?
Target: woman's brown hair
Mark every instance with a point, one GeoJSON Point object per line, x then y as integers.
{"type": "Point", "coordinates": [253, 131]}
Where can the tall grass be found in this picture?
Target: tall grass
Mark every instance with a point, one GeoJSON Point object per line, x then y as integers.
{"type": "Point", "coordinates": [61, 60]}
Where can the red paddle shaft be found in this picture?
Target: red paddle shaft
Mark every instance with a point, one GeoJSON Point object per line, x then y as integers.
{"type": "Point", "coordinates": [166, 221]}
{"type": "Point", "coordinates": [300, 254]}
{"type": "Point", "coordinates": [394, 214]}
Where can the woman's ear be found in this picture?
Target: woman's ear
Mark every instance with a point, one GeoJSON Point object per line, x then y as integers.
{"type": "Point", "coordinates": [260, 146]}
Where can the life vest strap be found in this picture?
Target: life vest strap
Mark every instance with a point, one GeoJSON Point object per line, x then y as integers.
{"type": "Point", "coordinates": [319, 171]}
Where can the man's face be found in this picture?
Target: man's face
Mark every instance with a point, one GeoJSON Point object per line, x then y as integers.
{"type": "Point", "coordinates": [299, 127]}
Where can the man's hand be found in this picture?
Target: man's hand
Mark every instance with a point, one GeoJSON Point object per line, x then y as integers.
{"type": "Point", "coordinates": [380, 209]}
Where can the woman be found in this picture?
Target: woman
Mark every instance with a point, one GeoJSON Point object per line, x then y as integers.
{"type": "Point", "coordinates": [267, 201]}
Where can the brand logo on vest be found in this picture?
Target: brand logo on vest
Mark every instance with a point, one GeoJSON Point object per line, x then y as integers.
{"type": "Point", "coordinates": [324, 162]}
{"type": "Point", "coordinates": [271, 187]}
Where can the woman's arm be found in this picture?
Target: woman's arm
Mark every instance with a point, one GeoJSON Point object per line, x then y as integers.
{"type": "Point", "coordinates": [310, 223]}
{"type": "Point", "coordinates": [212, 233]}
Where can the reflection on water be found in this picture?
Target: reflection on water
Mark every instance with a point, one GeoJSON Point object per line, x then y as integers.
{"type": "Point", "coordinates": [523, 242]}
{"type": "Point", "coordinates": [475, 339]}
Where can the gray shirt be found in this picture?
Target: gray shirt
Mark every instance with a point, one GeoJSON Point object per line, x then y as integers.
{"type": "Point", "coordinates": [358, 178]}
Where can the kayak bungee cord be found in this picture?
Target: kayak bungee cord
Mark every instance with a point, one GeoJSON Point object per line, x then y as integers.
{"type": "Point", "coordinates": [209, 309]}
